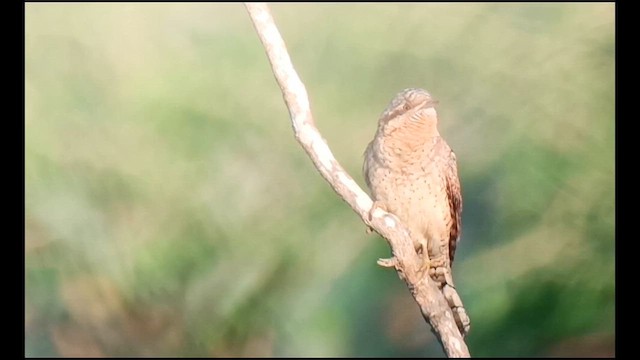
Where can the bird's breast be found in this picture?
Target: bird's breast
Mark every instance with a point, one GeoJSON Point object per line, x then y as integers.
{"type": "Point", "coordinates": [404, 178]}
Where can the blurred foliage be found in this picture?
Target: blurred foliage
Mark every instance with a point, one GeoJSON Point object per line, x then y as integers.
{"type": "Point", "coordinates": [170, 212]}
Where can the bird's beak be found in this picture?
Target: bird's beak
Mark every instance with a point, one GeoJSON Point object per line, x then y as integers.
{"type": "Point", "coordinates": [430, 103]}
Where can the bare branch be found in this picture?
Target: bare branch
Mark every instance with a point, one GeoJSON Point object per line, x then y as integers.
{"type": "Point", "coordinates": [406, 261]}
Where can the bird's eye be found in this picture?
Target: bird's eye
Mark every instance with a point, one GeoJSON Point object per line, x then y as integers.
{"type": "Point", "coordinates": [406, 106]}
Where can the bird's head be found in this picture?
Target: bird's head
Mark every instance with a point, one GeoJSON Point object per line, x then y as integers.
{"type": "Point", "coordinates": [410, 107]}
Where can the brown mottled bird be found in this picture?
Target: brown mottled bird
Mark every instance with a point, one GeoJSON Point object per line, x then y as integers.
{"type": "Point", "coordinates": [412, 173]}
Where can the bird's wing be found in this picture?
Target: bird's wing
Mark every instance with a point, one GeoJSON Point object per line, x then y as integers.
{"type": "Point", "coordinates": [455, 203]}
{"type": "Point", "coordinates": [366, 164]}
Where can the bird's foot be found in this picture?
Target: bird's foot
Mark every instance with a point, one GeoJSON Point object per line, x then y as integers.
{"type": "Point", "coordinates": [425, 265]}
{"type": "Point", "coordinates": [440, 273]}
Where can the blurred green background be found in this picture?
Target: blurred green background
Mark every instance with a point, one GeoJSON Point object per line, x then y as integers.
{"type": "Point", "coordinates": [170, 212]}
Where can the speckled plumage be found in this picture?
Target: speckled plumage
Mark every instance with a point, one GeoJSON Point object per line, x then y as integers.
{"type": "Point", "coordinates": [412, 173]}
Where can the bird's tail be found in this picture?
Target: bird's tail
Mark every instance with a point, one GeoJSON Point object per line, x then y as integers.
{"type": "Point", "coordinates": [459, 313]}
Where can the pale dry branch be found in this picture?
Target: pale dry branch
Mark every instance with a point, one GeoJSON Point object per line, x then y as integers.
{"type": "Point", "coordinates": [406, 261]}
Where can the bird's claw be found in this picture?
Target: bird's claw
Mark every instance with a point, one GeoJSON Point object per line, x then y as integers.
{"type": "Point", "coordinates": [425, 265]}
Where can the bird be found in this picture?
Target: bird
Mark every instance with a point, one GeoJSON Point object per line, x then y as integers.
{"type": "Point", "coordinates": [412, 172]}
